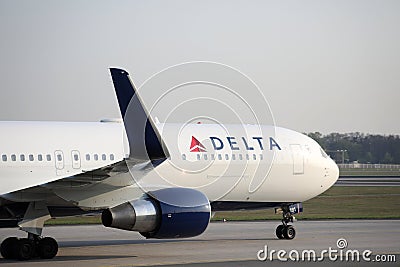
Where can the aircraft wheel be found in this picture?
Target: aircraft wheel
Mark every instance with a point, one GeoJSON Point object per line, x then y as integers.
{"type": "Point", "coordinates": [47, 248]}
{"type": "Point", "coordinates": [279, 231]}
{"type": "Point", "coordinates": [289, 232]}
{"type": "Point", "coordinates": [8, 248]}
{"type": "Point", "coordinates": [25, 249]}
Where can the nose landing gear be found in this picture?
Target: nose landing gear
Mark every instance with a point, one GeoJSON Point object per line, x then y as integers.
{"type": "Point", "coordinates": [286, 231]}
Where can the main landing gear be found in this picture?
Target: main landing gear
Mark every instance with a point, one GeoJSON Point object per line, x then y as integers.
{"type": "Point", "coordinates": [28, 248]}
{"type": "Point", "coordinates": [35, 245]}
{"type": "Point", "coordinates": [286, 231]}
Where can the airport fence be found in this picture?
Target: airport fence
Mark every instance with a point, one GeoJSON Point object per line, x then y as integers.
{"type": "Point", "coordinates": [369, 166]}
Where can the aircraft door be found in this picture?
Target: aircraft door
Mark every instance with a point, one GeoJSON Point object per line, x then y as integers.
{"type": "Point", "coordinates": [59, 159]}
{"type": "Point", "coordinates": [298, 159]}
{"type": "Point", "coordinates": [76, 159]}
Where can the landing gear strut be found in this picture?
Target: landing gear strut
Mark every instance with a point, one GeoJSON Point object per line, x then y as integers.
{"type": "Point", "coordinates": [28, 248]}
{"type": "Point", "coordinates": [286, 231]}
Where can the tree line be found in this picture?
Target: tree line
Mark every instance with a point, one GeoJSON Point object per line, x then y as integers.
{"type": "Point", "coordinates": [364, 148]}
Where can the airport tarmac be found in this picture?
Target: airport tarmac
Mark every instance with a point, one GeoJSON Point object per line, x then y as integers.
{"type": "Point", "coordinates": [223, 244]}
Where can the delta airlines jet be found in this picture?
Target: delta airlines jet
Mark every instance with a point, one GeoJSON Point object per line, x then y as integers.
{"type": "Point", "coordinates": [161, 180]}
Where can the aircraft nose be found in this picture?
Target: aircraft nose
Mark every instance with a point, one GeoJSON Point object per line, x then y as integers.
{"type": "Point", "coordinates": [333, 170]}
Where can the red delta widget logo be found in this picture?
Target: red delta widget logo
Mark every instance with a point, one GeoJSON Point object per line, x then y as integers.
{"type": "Point", "coordinates": [196, 146]}
{"type": "Point", "coordinates": [256, 142]}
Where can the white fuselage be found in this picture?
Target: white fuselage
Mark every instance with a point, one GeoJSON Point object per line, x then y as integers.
{"type": "Point", "coordinates": [242, 163]}
{"type": "Point", "coordinates": [35, 153]}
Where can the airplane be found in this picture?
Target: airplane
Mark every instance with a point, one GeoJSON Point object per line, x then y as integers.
{"type": "Point", "coordinates": [163, 180]}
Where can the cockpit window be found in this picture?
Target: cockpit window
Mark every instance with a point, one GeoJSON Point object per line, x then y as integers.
{"type": "Point", "coordinates": [323, 153]}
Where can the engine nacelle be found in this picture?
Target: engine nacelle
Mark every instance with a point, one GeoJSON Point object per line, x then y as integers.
{"type": "Point", "coordinates": [164, 213]}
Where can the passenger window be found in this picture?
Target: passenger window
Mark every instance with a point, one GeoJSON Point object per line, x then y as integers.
{"type": "Point", "coordinates": [103, 157]}
{"type": "Point", "coordinates": [212, 157]}
{"type": "Point", "coordinates": [261, 157]}
{"type": "Point", "coordinates": [198, 156]}
{"type": "Point", "coordinates": [111, 156]}
{"type": "Point", "coordinates": [226, 156]}
{"type": "Point", "coordinates": [22, 157]}
{"type": "Point", "coordinates": [240, 157]}
{"type": "Point", "coordinates": [40, 157]}
{"type": "Point", "coordinates": [254, 156]}
{"type": "Point", "coordinates": [13, 157]}
{"type": "Point", "coordinates": [4, 157]}
{"type": "Point", "coordinates": [219, 156]}
{"type": "Point", "coordinates": [87, 157]}
{"type": "Point", "coordinates": [247, 156]}
{"type": "Point", "coordinates": [233, 156]}
{"type": "Point", "coordinates": [30, 157]}
{"type": "Point", "coordinates": [96, 157]}
{"type": "Point", "coordinates": [205, 156]}
{"type": "Point", "coordinates": [184, 156]}
{"type": "Point", "coordinates": [48, 157]}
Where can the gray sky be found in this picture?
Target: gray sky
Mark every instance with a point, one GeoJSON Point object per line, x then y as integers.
{"type": "Point", "coordinates": [328, 66]}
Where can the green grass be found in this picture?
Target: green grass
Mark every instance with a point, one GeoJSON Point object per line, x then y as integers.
{"type": "Point", "coordinates": [339, 202]}
{"type": "Point", "coordinates": [94, 219]}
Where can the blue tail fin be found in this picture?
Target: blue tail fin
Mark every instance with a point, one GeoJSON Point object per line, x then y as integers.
{"type": "Point", "coordinates": [144, 139]}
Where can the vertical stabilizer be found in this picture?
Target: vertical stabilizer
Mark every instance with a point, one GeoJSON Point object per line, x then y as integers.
{"type": "Point", "coordinates": [144, 139]}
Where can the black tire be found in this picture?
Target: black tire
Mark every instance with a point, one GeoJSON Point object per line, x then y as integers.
{"type": "Point", "coordinates": [25, 249]}
{"type": "Point", "coordinates": [289, 232]}
{"type": "Point", "coordinates": [47, 248]}
{"type": "Point", "coordinates": [9, 247]}
{"type": "Point", "coordinates": [279, 232]}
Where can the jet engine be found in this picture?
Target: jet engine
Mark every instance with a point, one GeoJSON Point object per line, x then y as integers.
{"type": "Point", "coordinates": [164, 213]}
